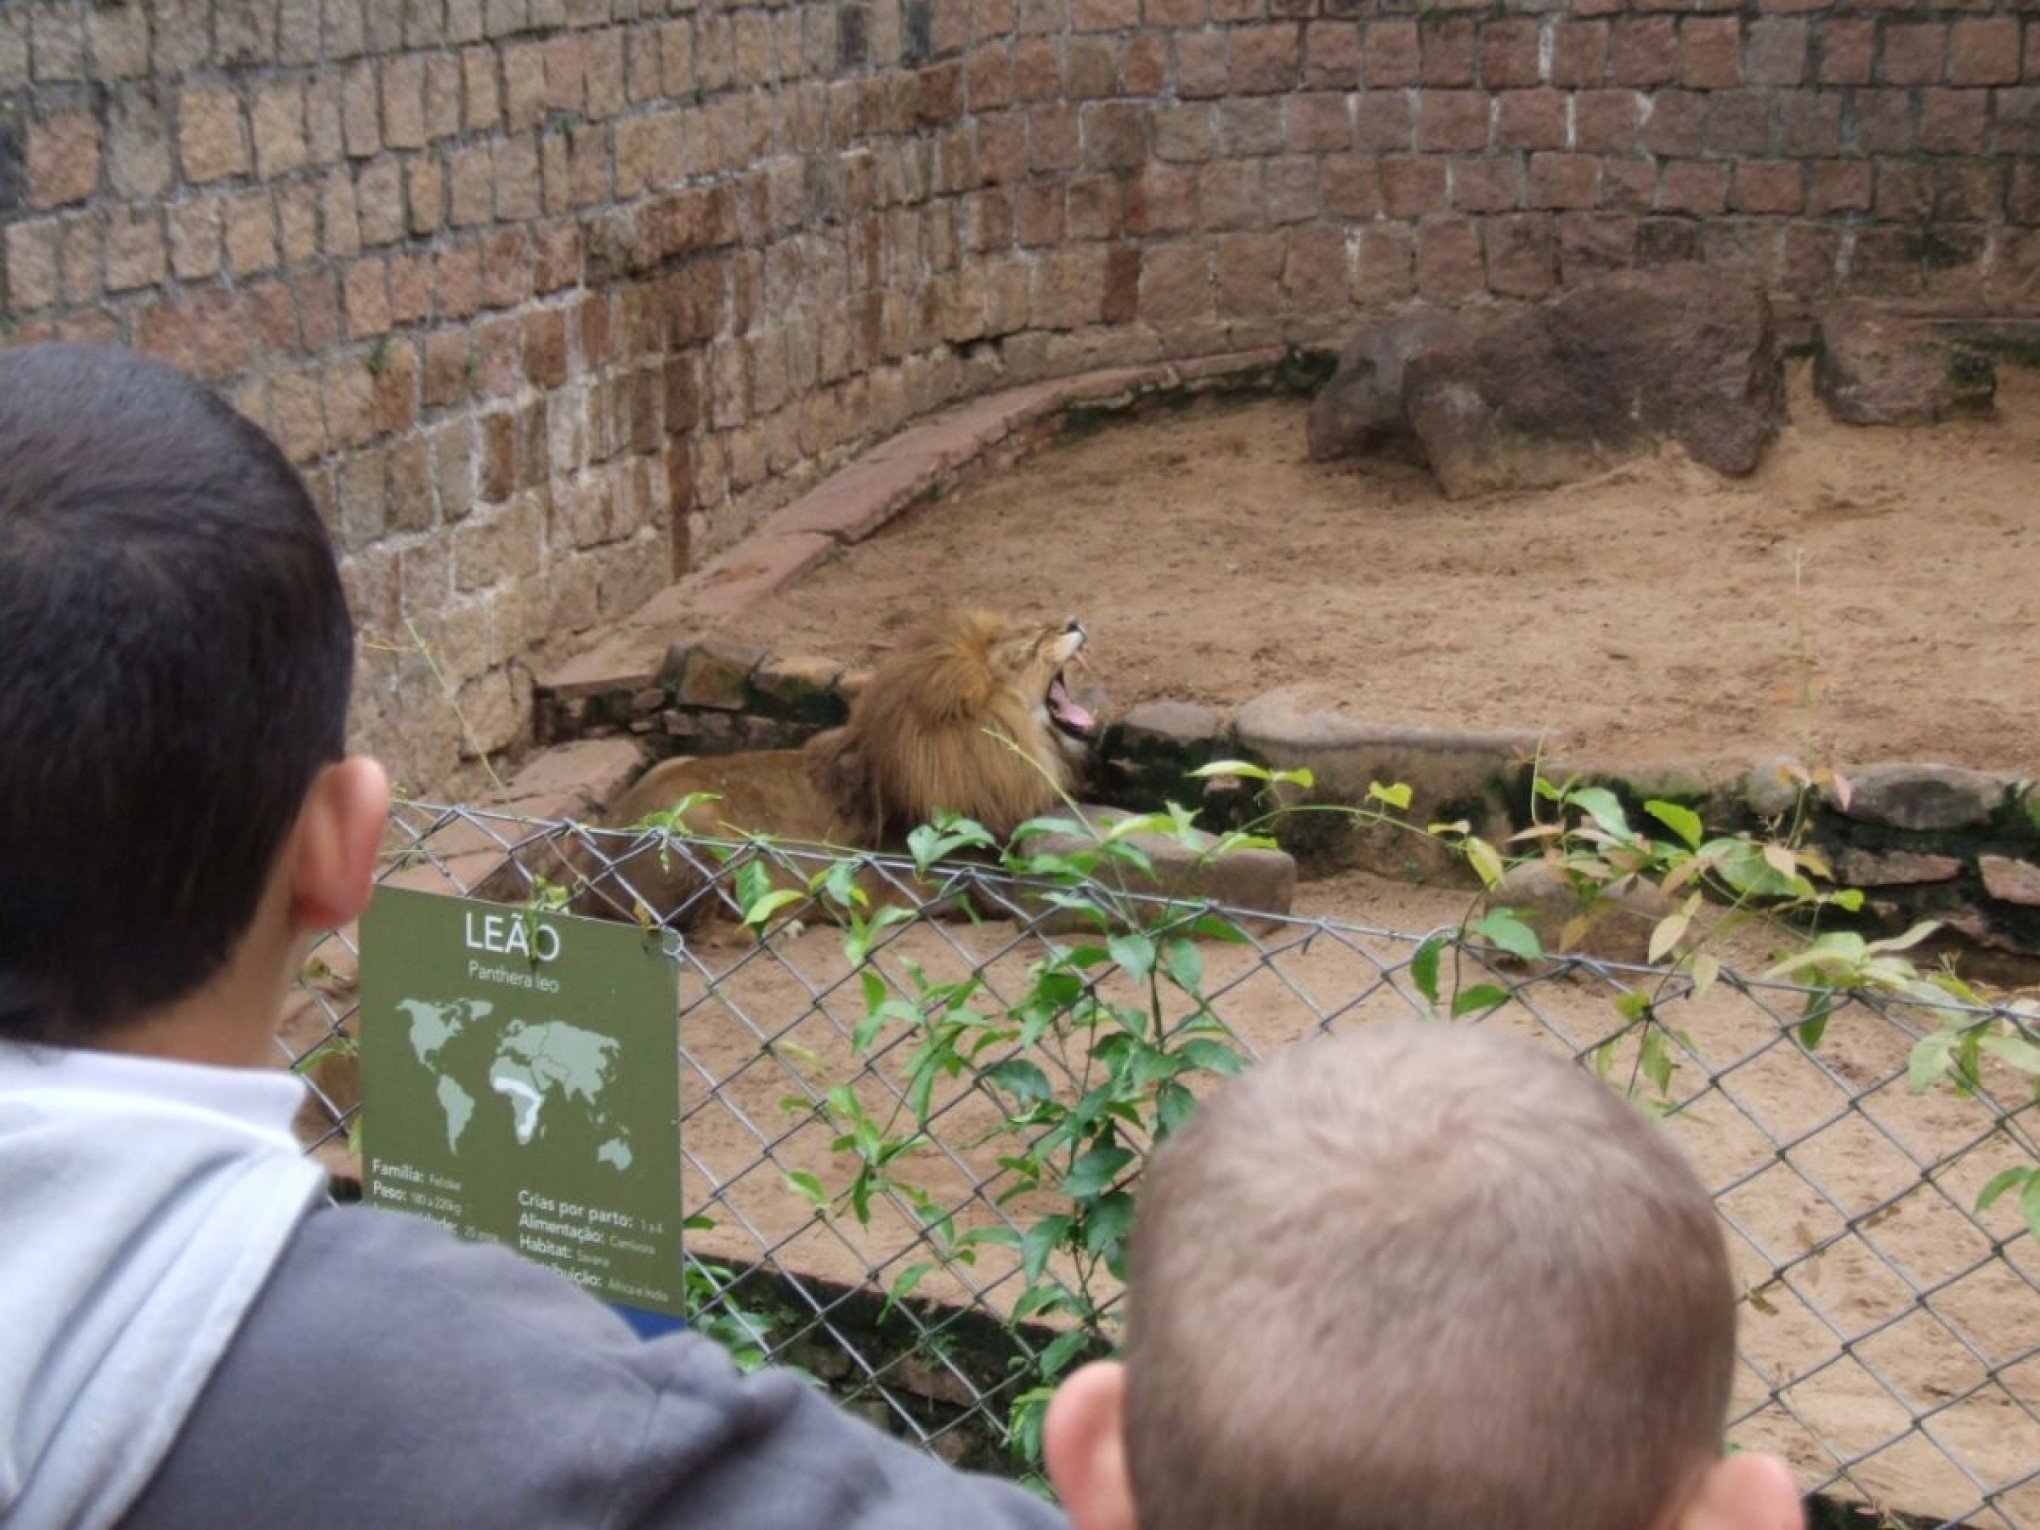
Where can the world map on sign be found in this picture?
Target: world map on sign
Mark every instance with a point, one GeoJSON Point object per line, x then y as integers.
{"type": "Point", "coordinates": [548, 1080]}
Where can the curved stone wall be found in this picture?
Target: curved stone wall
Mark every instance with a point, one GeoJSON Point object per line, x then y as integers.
{"type": "Point", "coordinates": [553, 298]}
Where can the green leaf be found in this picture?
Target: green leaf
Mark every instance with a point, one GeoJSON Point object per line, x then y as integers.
{"type": "Point", "coordinates": [1633, 1005]}
{"type": "Point", "coordinates": [909, 1278]}
{"type": "Point", "coordinates": [840, 884]}
{"type": "Point", "coordinates": [1424, 967]}
{"type": "Point", "coordinates": [2020, 1053]}
{"type": "Point", "coordinates": [1095, 1171]}
{"type": "Point", "coordinates": [1108, 1222]}
{"type": "Point", "coordinates": [1183, 963]}
{"type": "Point", "coordinates": [1218, 927]}
{"type": "Point", "coordinates": [1061, 1350]}
{"type": "Point", "coordinates": [1396, 795]}
{"type": "Point", "coordinates": [2000, 1184]}
{"type": "Point", "coordinates": [1483, 997]}
{"type": "Point", "coordinates": [808, 1188]}
{"type": "Point", "coordinates": [1655, 1058]}
{"type": "Point", "coordinates": [1212, 1057]}
{"type": "Point", "coordinates": [930, 843]}
{"type": "Point", "coordinates": [1022, 1079]}
{"type": "Point", "coordinates": [1602, 805]}
{"type": "Point", "coordinates": [1504, 929]}
{"type": "Point", "coordinates": [1485, 860]}
{"type": "Point", "coordinates": [759, 914]}
{"type": "Point", "coordinates": [1813, 1019]}
{"type": "Point", "coordinates": [1174, 1106]}
{"type": "Point", "coordinates": [1666, 934]}
{"type": "Point", "coordinates": [2029, 1205]}
{"type": "Point", "coordinates": [751, 882]}
{"type": "Point", "coordinates": [1682, 821]}
{"type": "Point", "coordinates": [1930, 1058]}
{"type": "Point", "coordinates": [1135, 954]}
{"type": "Point", "coordinates": [1039, 1241]}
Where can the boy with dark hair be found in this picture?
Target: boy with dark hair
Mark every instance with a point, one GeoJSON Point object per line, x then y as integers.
{"type": "Point", "coordinates": [1417, 1277]}
{"type": "Point", "coordinates": [189, 1334]}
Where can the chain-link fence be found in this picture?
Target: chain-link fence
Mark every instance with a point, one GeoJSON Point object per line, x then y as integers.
{"type": "Point", "coordinates": [866, 1210]}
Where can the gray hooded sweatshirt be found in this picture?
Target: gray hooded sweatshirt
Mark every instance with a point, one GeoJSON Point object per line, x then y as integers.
{"type": "Point", "coordinates": [190, 1337]}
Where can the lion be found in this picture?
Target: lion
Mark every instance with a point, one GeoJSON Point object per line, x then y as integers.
{"type": "Point", "coordinates": [971, 714]}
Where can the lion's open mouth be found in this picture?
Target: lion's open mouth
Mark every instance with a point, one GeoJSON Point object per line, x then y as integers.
{"type": "Point", "coordinates": [1070, 719]}
{"type": "Point", "coordinates": [1067, 714]}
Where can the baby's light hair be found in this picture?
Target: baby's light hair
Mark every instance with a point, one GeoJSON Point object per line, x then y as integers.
{"type": "Point", "coordinates": [1421, 1277]}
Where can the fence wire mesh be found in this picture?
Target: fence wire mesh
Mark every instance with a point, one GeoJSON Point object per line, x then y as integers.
{"type": "Point", "coordinates": [1890, 1331]}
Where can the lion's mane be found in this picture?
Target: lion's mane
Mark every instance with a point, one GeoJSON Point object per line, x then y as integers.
{"type": "Point", "coordinates": [953, 719]}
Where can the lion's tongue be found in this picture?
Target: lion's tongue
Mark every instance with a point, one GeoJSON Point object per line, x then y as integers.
{"type": "Point", "coordinates": [1068, 715]}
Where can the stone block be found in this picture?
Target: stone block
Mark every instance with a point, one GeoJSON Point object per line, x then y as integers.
{"type": "Point", "coordinates": [1932, 797]}
{"type": "Point", "coordinates": [1880, 369]}
{"type": "Point", "coordinates": [1894, 868]}
{"type": "Point", "coordinates": [588, 775]}
{"type": "Point", "coordinates": [715, 673]}
{"type": "Point", "coordinates": [63, 159]}
{"type": "Point", "coordinates": [803, 684]}
{"type": "Point", "coordinates": [1176, 724]}
{"type": "Point", "coordinates": [2009, 880]}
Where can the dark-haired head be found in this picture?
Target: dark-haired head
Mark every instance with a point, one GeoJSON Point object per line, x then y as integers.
{"type": "Point", "coordinates": [175, 652]}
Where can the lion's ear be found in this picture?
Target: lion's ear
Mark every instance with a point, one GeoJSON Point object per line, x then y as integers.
{"type": "Point", "coordinates": [840, 772]}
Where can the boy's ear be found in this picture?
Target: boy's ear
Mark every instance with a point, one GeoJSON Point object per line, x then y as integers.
{"type": "Point", "coordinates": [1745, 1491]}
{"type": "Point", "coordinates": [1083, 1443]}
{"type": "Point", "coordinates": [334, 843]}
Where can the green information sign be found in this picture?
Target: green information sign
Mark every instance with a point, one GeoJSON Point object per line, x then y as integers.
{"type": "Point", "coordinates": [521, 1082]}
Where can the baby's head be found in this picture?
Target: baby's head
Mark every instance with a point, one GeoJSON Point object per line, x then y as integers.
{"type": "Point", "coordinates": [1418, 1277]}
{"type": "Point", "coordinates": [175, 653]}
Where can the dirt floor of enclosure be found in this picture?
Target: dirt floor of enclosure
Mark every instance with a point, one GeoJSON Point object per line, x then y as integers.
{"type": "Point", "coordinates": [1656, 613]}
{"type": "Point", "coordinates": [776, 1028]}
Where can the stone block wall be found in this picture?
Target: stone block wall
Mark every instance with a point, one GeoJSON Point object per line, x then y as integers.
{"type": "Point", "coordinates": [553, 298]}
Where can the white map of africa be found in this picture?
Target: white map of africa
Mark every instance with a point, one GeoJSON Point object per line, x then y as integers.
{"type": "Point", "coordinates": [533, 1066]}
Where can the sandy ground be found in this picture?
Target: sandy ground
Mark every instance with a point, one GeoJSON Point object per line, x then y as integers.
{"type": "Point", "coordinates": [1658, 613]}
{"type": "Point", "coordinates": [776, 1026]}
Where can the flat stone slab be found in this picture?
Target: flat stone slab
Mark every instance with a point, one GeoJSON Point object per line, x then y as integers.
{"type": "Point", "coordinates": [1171, 722]}
{"type": "Point", "coordinates": [854, 503]}
{"type": "Point", "coordinates": [1895, 868]}
{"type": "Point", "coordinates": [752, 570]}
{"type": "Point", "coordinates": [594, 770]}
{"type": "Point", "coordinates": [1922, 796]}
{"type": "Point", "coordinates": [2009, 880]}
{"type": "Point", "coordinates": [713, 674]}
{"type": "Point", "coordinates": [1451, 776]}
{"type": "Point", "coordinates": [628, 659]}
{"type": "Point", "coordinates": [1346, 755]}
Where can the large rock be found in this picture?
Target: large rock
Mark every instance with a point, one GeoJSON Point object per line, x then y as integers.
{"type": "Point", "coordinates": [1880, 369]}
{"type": "Point", "coordinates": [1616, 365]}
{"type": "Point", "coordinates": [1361, 409]}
